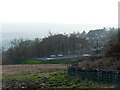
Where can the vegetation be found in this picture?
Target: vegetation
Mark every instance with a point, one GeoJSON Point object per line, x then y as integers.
{"type": "Point", "coordinates": [113, 51]}
{"type": "Point", "coordinates": [67, 44]}
{"type": "Point", "coordinates": [45, 80]}
{"type": "Point", "coordinates": [75, 43]}
{"type": "Point", "coordinates": [109, 60]}
{"type": "Point", "coordinates": [62, 61]}
{"type": "Point", "coordinates": [21, 50]}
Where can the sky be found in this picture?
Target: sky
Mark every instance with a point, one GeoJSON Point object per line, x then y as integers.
{"type": "Point", "coordinates": [60, 11]}
{"type": "Point", "coordinates": [90, 12]}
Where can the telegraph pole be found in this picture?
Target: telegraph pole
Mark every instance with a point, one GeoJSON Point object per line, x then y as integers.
{"type": "Point", "coordinates": [97, 47]}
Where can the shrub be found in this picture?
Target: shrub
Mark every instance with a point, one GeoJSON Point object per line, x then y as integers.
{"type": "Point", "coordinates": [113, 51]}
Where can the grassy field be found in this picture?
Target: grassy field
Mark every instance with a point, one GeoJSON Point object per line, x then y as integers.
{"type": "Point", "coordinates": [62, 61]}
{"type": "Point", "coordinates": [33, 68]}
{"type": "Point", "coordinates": [42, 76]}
{"type": "Point", "coordinates": [45, 80]}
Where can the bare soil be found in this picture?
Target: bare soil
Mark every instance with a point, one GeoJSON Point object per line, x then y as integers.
{"type": "Point", "coordinates": [37, 68]}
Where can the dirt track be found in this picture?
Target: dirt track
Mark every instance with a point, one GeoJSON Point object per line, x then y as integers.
{"type": "Point", "coordinates": [14, 69]}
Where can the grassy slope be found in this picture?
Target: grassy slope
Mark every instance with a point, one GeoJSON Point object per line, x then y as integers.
{"type": "Point", "coordinates": [44, 80]}
{"type": "Point", "coordinates": [63, 61]}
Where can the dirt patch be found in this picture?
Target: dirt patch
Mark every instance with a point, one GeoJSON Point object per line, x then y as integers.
{"type": "Point", "coordinates": [17, 69]}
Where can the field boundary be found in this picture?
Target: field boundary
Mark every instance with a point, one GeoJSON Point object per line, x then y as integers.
{"type": "Point", "coordinates": [94, 74]}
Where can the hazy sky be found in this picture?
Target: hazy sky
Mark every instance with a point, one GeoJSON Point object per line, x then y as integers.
{"type": "Point", "coordinates": [44, 28]}
{"type": "Point", "coordinates": [58, 11]}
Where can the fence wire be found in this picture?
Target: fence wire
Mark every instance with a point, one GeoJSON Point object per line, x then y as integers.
{"type": "Point", "coordinates": [95, 75]}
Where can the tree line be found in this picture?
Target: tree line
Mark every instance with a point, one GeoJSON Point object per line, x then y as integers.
{"type": "Point", "coordinates": [22, 49]}
{"type": "Point", "coordinates": [67, 44]}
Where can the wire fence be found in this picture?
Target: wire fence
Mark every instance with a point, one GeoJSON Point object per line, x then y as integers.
{"type": "Point", "coordinates": [95, 75]}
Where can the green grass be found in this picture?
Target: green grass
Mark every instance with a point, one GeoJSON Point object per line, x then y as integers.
{"type": "Point", "coordinates": [62, 61]}
{"type": "Point", "coordinates": [44, 80]}
{"type": "Point", "coordinates": [47, 80]}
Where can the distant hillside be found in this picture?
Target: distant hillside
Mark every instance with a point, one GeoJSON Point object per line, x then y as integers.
{"type": "Point", "coordinates": [98, 34]}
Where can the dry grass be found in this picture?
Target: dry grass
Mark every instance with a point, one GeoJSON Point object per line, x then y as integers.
{"type": "Point", "coordinates": [104, 63]}
{"type": "Point", "coordinates": [17, 69]}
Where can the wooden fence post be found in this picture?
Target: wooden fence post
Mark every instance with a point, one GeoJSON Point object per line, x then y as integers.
{"type": "Point", "coordinates": [76, 69]}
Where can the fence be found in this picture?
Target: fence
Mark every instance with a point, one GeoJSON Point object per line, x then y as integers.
{"type": "Point", "coordinates": [95, 75]}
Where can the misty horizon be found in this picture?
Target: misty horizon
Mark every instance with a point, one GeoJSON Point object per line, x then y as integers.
{"type": "Point", "coordinates": [53, 27]}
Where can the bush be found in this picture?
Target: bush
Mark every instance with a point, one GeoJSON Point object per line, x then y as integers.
{"type": "Point", "coordinates": [113, 51]}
